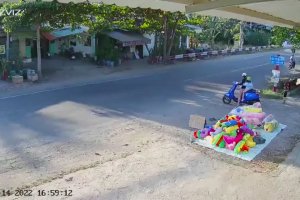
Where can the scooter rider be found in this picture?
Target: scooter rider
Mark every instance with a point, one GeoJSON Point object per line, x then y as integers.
{"type": "Point", "coordinates": [244, 75]}
{"type": "Point", "coordinates": [292, 62]}
{"type": "Point", "coordinates": [248, 84]}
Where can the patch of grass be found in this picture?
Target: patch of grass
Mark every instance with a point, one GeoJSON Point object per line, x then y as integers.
{"type": "Point", "coordinates": [268, 93]}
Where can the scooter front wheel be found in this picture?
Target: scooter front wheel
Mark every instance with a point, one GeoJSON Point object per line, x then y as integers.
{"type": "Point", "coordinates": [226, 99]}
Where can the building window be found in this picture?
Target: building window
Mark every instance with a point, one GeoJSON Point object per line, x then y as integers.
{"type": "Point", "coordinates": [88, 41]}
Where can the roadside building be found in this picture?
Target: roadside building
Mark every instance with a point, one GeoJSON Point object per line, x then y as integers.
{"type": "Point", "coordinates": [22, 44]}
{"type": "Point", "coordinates": [60, 40]}
{"type": "Point", "coordinates": [131, 44]}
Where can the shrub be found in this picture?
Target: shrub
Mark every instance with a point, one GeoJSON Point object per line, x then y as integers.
{"type": "Point", "coordinates": [257, 38]}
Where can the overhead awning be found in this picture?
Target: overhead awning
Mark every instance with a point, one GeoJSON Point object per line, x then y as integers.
{"type": "Point", "coordinates": [269, 12]}
{"type": "Point", "coordinates": [281, 13]}
{"type": "Point", "coordinates": [48, 36]}
{"type": "Point", "coordinates": [128, 38]}
{"type": "Point", "coordinates": [64, 32]}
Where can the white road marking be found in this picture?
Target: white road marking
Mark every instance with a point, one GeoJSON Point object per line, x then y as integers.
{"type": "Point", "coordinates": [251, 67]}
{"type": "Point", "coordinates": [188, 80]}
{"type": "Point", "coordinates": [254, 56]}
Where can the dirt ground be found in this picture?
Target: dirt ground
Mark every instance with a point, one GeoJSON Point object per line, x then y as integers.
{"type": "Point", "coordinates": [161, 163]}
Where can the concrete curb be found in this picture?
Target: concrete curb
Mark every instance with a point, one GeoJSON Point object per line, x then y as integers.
{"type": "Point", "coordinates": [225, 52]}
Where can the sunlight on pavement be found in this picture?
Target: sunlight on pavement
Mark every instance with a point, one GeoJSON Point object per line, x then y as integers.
{"type": "Point", "coordinates": [187, 102]}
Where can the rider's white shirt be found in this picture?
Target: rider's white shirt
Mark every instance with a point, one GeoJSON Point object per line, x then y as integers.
{"type": "Point", "coordinates": [248, 85]}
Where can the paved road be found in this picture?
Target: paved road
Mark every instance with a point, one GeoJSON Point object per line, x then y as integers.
{"type": "Point", "coordinates": [158, 94]}
{"type": "Point", "coordinates": [37, 129]}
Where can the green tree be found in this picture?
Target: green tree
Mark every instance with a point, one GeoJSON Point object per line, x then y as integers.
{"type": "Point", "coordinates": [257, 38]}
{"type": "Point", "coordinates": [45, 15]}
{"type": "Point", "coordinates": [230, 29]}
{"type": "Point", "coordinates": [215, 29]}
{"type": "Point", "coordinates": [165, 25]}
{"type": "Point", "coordinates": [281, 34]}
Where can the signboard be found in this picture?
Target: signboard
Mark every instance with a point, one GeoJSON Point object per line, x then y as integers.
{"type": "Point", "coordinates": [133, 43]}
{"type": "Point", "coordinates": [2, 49]}
{"type": "Point", "coordinates": [277, 60]}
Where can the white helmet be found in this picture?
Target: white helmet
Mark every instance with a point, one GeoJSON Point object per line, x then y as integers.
{"type": "Point", "coordinates": [244, 74]}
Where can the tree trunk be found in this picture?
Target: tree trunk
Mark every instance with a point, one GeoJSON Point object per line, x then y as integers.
{"type": "Point", "coordinates": [165, 36]}
{"type": "Point", "coordinates": [173, 33]}
{"type": "Point", "coordinates": [155, 42]}
{"type": "Point", "coordinates": [148, 49]}
{"type": "Point", "coordinates": [211, 38]}
{"type": "Point", "coordinates": [38, 46]}
{"type": "Point", "coordinates": [241, 43]}
{"type": "Point", "coordinates": [7, 46]}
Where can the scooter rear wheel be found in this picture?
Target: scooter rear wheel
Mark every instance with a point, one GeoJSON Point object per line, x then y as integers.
{"type": "Point", "coordinates": [226, 99]}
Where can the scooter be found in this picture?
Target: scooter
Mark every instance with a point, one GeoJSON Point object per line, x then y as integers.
{"type": "Point", "coordinates": [250, 97]}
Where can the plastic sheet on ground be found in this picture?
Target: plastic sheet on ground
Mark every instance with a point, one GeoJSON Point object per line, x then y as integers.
{"type": "Point", "coordinates": [253, 152]}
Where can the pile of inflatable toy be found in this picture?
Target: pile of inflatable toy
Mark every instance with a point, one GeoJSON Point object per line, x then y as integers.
{"type": "Point", "coordinates": [237, 131]}
{"type": "Point", "coordinates": [255, 117]}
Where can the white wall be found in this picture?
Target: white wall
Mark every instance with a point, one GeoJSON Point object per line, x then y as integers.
{"type": "Point", "coordinates": [150, 46]}
{"type": "Point", "coordinates": [188, 42]}
{"type": "Point", "coordinates": [79, 46]}
{"type": "Point", "coordinates": [86, 49]}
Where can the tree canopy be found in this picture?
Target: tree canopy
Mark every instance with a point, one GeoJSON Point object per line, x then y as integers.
{"type": "Point", "coordinates": [166, 26]}
{"type": "Point", "coordinates": [280, 34]}
{"type": "Point", "coordinates": [39, 14]}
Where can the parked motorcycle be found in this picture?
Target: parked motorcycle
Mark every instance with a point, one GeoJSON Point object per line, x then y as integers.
{"type": "Point", "coordinates": [250, 97]}
{"type": "Point", "coordinates": [70, 53]}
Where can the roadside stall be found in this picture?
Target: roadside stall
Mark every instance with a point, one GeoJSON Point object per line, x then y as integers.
{"type": "Point", "coordinates": [242, 133]}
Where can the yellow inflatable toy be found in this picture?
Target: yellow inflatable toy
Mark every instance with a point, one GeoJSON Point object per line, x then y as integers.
{"type": "Point", "coordinates": [253, 109]}
{"type": "Point", "coordinates": [230, 129]}
{"type": "Point", "coordinates": [232, 117]}
{"type": "Point", "coordinates": [250, 143]}
{"type": "Point", "coordinates": [271, 126]}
